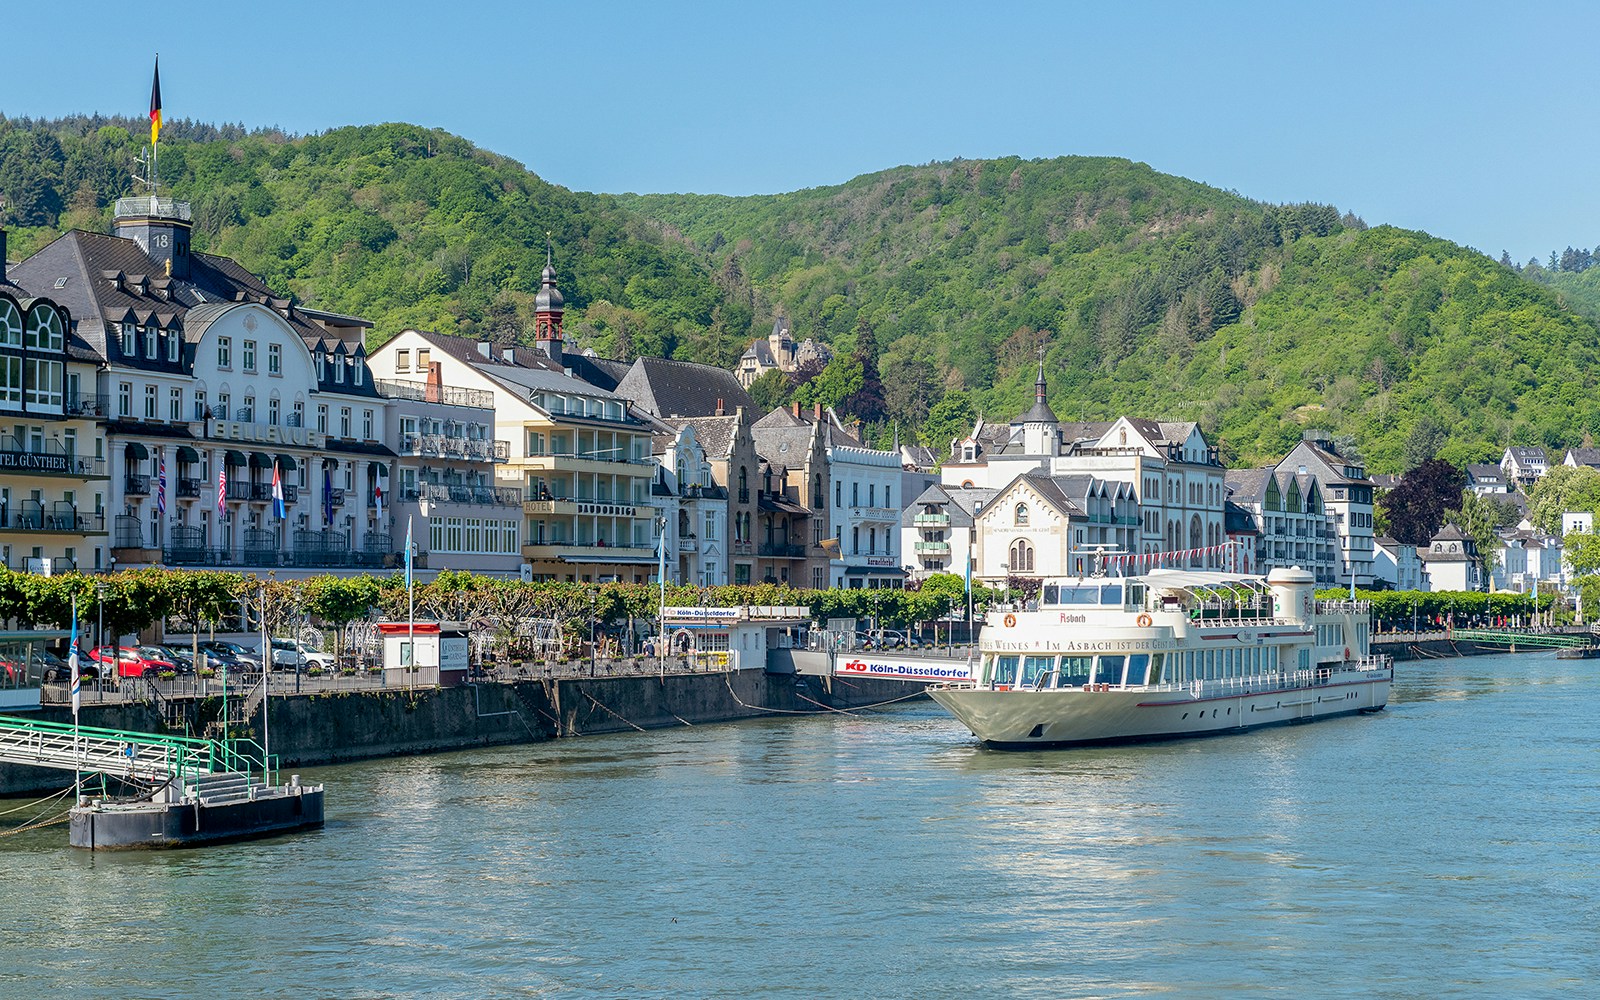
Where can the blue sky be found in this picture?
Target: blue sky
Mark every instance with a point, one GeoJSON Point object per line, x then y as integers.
{"type": "Point", "coordinates": [1469, 120]}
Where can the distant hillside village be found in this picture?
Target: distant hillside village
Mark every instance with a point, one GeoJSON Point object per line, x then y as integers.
{"type": "Point", "coordinates": [167, 409]}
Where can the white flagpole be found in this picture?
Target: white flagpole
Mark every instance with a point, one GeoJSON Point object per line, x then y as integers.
{"type": "Point", "coordinates": [77, 696]}
{"type": "Point", "coordinates": [266, 692]}
{"type": "Point", "coordinates": [411, 609]}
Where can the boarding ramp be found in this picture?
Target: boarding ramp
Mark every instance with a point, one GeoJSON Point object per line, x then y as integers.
{"type": "Point", "coordinates": [121, 754]}
{"type": "Point", "coordinates": [889, 665]}
{"type": "Point", "coordinates": [1526, 640]}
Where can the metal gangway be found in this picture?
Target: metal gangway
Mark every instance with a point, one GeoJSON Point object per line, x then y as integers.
{"type": "Point", "coordinates": [148, 757]}
{"type": "Point", "coordinates": [1510, 637]}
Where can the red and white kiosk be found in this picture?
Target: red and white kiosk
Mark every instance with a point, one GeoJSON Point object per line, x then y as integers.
{"type": "Point", "coordinates": [424, 654]}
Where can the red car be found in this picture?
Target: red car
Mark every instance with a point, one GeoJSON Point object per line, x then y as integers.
{"type": "Point", "coordinates": [130, 663]}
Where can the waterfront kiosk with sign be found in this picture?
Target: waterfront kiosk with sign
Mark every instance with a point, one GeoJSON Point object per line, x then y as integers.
{"type": "Point", "coordinates": [732, 638]}
{"type": "Point", "coordinates": [439, 656]}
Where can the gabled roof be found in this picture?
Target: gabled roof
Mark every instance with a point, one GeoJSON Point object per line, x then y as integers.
{"type": "Point", "coordinates": [471, 351]}
{"type": "Point", "coordinates": [603, 372]}
{"type": "Point", "coordinates": [715, 434]}
{"type": "Point", "coordinates": [105, 278]}
{"type": "Point", "coordinates": [1583, 456]}
{"type": "Point", "coordinates": [682, 388]}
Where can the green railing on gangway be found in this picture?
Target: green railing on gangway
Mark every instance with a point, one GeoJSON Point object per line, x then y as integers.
{"type": "Point", "coordinates": [125, 753]}
{"type": "Point", "coordinates": [1540, 640]}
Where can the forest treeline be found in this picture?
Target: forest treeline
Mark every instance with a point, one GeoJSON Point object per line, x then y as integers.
{"type": "Point", "coordinates": [935, 285]}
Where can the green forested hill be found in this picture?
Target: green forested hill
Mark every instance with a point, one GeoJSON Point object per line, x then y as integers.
{"type": "Point", "coordinates": [403, 225]}
{"type": "Point", "coordinates": [1160, 296]}
{"type": "Point", "coordinates": [1153, 294]}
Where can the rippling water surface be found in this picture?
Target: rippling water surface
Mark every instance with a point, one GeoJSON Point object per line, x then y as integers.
{"type": "Point", "coordinates": [1446, 847]}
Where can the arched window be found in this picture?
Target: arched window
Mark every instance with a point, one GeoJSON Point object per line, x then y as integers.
{"type": "Point", "coordinates": [44, 329]}
{"type": "Point", "coordinates": [1196, 537]}
{"type": "Point", "coordinates": [744, 485]}
{"type": "Point", "coordinates": [1021, 556]}
{"type": "Point", "coordinates": [1022, 515]}
{"type": "Point", "coordinates": [10, 324]}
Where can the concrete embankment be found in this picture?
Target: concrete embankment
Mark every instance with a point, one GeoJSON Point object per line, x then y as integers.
{"type": "Point", "coordinates": [1438, 649]}
{"type": "Point", "coordinates": [313, 729]}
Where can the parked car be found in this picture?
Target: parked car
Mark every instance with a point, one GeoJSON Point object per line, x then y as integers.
{"type": "Point", "coordinates": [231, 655]}
{"type": "Point", "coordinates": [54, 670]}
{"type": "Point", "coordinates": [128, 661]}
{"type": "Point", "coordinates": [317, 658]}
{"type": "Point", "coordinates": [287, 654]}
{"type": "Point", "coordinates": [182, 658]}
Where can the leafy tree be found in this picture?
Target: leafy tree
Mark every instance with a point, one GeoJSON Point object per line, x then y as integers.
{"type": "Point", "coordinates": [1415, 507]}
{"type": "Point", "coordinates": [1481, 518]}
{"type": "Point", "coordinates": [1562, 489]}
{"type": "Point", "coordinates": [1423, 443]}
{"type": "Point", "coordinates": [770, 390]}
{"type": "Point", "coordinates": [951, 418]}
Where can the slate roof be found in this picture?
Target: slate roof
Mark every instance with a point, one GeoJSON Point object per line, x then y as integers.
{"type": "Point", "coordinates": [682, 388]}
{"type": "Point", "coordinates": [90, 263]}
{"type": "Point", "coordinates": [1237, 521]}
{"type": "Point", "coordinates": [1249, 485]}
{"type": "Point", "coordinates": [1584, 456]}
{"type": "Point", "coordinates": [518, 378]}
{"type": "Point", "coordinates": [715, 434]}
{"type": "Point", "coordinates": [466, 349]}
{"type": "Point", "coordinates": [599, 371]}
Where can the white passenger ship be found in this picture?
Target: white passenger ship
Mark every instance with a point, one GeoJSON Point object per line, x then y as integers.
{"type": "Point", "coordinates": [1167, 655]}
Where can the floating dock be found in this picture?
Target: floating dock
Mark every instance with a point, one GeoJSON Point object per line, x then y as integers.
{"type": "Point", "coordinates": [194, 791]}
{"type": "Point", "coordinates": [208, 809]}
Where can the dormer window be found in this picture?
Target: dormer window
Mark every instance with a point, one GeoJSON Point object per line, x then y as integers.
{"type": "Point", "coordinates": [130, 341]}
{"type": "Point", "coordinates": [360, 374]}
{"type": "Point", "coordinates": [322, 367]}
{"type": "Point", "coordinates": [172, 345]}
{"type": "Point", "coordinates": [150, 342]}
{"type": "Point", "coordinates": [338, 372]}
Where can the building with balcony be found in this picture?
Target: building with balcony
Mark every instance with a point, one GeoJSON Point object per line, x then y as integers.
{"type": "Point", "coordinates": [691, 504]}
{"type": "Point", "coordinates": [791, 490]}
{"type": "Point", "coordinates": [1347, 495]}
{"type": "Point", "coordinates": [205, 383]}
{"type": "Point", "coordinates": [1041, 526]}
{"type": "Point", "coordinates": [937, 530]}
{"type": "Point", "coordinates": [581, 463]}
{"type": "Point", "coordinates": [1292, 525]}
{"type": "Point", "coordinates": [1174, 472]}
{"type": "Point", "coordinates": [53, 481]}
{"type": "Point", "coordinates": [729, 450]}
{"type": "Point", "coordinates": [445, 483]}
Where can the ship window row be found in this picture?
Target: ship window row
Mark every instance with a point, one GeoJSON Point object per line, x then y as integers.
{"type": "Point", "coordinates": [1101, 595]}
{"type": "Point", "coordinates": [1039, 672]}
{"type": "Point", "coordinates": [1131, 669]}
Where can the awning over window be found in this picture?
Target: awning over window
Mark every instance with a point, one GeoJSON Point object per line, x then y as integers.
{"type": "Point", "coordinates": [288, 463]}
{"type": "Point", "coordinates": [137, 450]}
{"type": "Point", "coordinates": [187, 455]}
{"type": "Point", "coordinates": [260, 460]}
{"type": "Point", "coordinates": [233, 458]}
{"type": "Point", "coordinates": [377, 470]}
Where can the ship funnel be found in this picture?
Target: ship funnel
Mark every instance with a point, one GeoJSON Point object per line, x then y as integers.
{"type": "Point", "coordinates": [1293, 594]}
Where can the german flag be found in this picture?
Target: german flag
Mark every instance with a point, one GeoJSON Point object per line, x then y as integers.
{"type": "Point", "coordinates": [155, 104]}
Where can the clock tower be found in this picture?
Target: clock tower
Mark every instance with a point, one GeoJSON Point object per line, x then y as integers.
{"type": "Point", "coordinates": [161, 227]}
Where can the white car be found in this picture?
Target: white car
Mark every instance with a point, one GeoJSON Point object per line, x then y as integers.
{"type": "Point", "coordinates": [315, 658]}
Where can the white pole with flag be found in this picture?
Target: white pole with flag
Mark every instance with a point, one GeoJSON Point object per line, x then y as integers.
{"type": "Point", "coordinates": [77, 700]}
{"type": "Point", "coordinates": [411, 608]}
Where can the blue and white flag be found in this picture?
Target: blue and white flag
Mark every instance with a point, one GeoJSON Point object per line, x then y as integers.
{"type": "Point", "coordinates": [72, 661]}
{"type": "Point", "coordinates": [327, 497]}
{"type": "Point", "coordinates": [277, 493]}
{"type": "Point", "coordinates": [408, 552]}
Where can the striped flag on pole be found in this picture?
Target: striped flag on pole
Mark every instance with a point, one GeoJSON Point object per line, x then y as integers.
{"type": "Point", "coordinates": [222, 492]}
{"type": "Point", "coordinates": [72, 662]}
{"type": "Point", "coordinates": [161, 485]}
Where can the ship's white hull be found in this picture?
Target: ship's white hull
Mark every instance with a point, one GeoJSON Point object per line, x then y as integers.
{"type": "Point", "coordinates": [1017, 719]}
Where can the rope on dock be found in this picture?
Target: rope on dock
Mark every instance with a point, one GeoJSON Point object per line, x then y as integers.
{"type": "Point", "coordinates": [800, 711]}
{"type": "Point", "coordinates": [613, 714]}
{"type": "Point", "coordinates": [38, 820]}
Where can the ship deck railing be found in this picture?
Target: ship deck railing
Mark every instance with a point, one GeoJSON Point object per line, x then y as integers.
{"type": "Point", "coordinates": [1222, 687]}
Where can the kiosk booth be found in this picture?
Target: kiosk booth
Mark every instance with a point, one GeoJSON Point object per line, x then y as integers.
{"type": "Point", "coordinates": [731, 638]}
{"type": "Point", "coordinates": [438, 656]}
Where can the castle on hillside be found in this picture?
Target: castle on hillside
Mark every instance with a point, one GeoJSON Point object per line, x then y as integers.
{"type": "Point", "coordinates": [779, 351]}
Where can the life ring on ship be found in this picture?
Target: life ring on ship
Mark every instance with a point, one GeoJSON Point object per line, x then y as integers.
{"type": "Point", "coordinates": [1347, 654]}
{"type": "Point", "coordinates": [1144, 621]}
{"type": "Point", "coordinates": [1011, 621]}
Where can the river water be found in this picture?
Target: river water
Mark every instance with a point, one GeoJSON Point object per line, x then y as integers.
{"type": "Point", "coordinates": [1446, 847]}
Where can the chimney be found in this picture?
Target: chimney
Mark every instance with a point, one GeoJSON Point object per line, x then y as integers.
{"type": "Point", "coordinates": [434, 392]}
{"type": "Point", "coordinates": [816, 411]}
{"type": "Point", "coordinates": [485, 350]}
{"type": "Point", "coordinates": [796, 409]}
{"type": "Point", "coordinates": [719, 408]}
